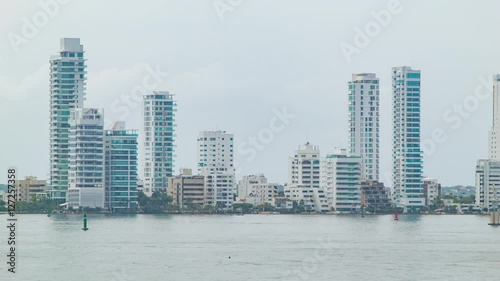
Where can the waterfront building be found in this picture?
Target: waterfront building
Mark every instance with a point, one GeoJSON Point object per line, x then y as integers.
{"type": "Point", "coordinates": [256, 190]}
{"type": "Point", "coordinates": [374, 193]}
{"type": "Point", "coordinates": [364, 95]}
{"type": "Point", "coordinates": [86, 166]}
{"type": "Point", "coordinates": [494, 133]}
{"type": "Point", "coordinates": [187, 190]}
{"type": "Point", "coordinates": [488, 183]}
{"type": "Point", "coordinates": [304, 166]}
{"type": "Point", "coordinates": [341, 180]}
{"type": "Point", "coordinates": [121, 153]}
{"type": "Point", "coordinates": [158, 141]}
{"type": "Point", "coordinates": [282, 203]}
{"type": "Point", "coordinates": [432, 190]}
{"type": "Point", "coordinates": [407, 157]}
{"type": "Point", "coordinates": [216, 163]}
{"type": "Point", "coordinates": [313, 199]}
{"type": "Point", "coordinates": [30, 189]}
{"type": "Point", "coordinates": [67, 91]}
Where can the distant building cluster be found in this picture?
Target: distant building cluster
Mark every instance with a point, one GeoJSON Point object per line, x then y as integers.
{"type": "Point", "coordinates": [93, 166]}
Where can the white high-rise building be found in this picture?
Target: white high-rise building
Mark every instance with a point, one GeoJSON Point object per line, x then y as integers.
{"type": "Point", "coordinates": [407, 157]}
{"type": "Point", "coordinates": [364, 95]}
{"type": "Point", "coordinates": [494, 134]}
{"type": "Point", "coordinates": [86, 158]}
{"type": "Point", "coordinates": [67, 91]}
{"type": "Point", "coordinates": [304, 166]}
{"type": "Point", "coordinates": [488, 183]}
{"type": "Point", "coordinates": [216, 163]}
{"type": "Point", "coordinates": [158, 141]}
{"type": "Point", "coordinates": [341, 180]}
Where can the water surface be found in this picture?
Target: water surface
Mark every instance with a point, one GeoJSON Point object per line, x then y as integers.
{"type": "Point", "coordinates": [254, 247]}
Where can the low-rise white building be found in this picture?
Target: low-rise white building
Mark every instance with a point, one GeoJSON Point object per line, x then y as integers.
{"type": "Point", "coordinates": [313, 199]}
{"type": "Point", "coordinates": [432, 190]}
{"type": "Point", "coordinates": [282, 203]}
{"type": "Point", "coordinates": [256, 190]}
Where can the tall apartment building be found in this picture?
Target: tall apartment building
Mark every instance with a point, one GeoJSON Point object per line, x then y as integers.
{"type": "Point", "coordinates": [187, 189]}
{"type": "Point", "coordinates": [304, 166]}
{"type": "Point", "coordinates": [30, 189]}
{"type": "Point", "coordinates": [158, 140]}
{"type": "Point", "coordinates": [407, 157]}
{"type": "Point", "coordinates": [121, 153]}
{"type": "Point", "coordinates": [488, 183]}
{"type": "Point", "coordinates": [216, 163]}
{"type": "Point", "coordinates": [494, 134]}
{"type": "Point", "coordinates": [341, 180]}
{"type": "Point", "coordinates": [67, 91]}
{"type": "Point", "coordinates": [86, 165]}
{"type": "Point", "coordinates": [364, 95]}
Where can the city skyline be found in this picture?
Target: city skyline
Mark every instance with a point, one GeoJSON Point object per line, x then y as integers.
{"type": "Point", "coordinates": [311, 87]}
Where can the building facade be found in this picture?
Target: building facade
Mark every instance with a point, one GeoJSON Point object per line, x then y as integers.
{"type": "Point", "coordinates": [121, 153]}
{"type": "Point", "coordinates": [364, 95]}
{"type": "Point", "coordinates": [67, 91]}
{"type": "Point", "coordinates": [407, 157]}
{"type": "Point", "coordinates": [374, 193]}
{"type": "Point", "coordinates": [30, 189]}
{"type": "Point", "coordinates": [158, 141]}
{"type": "Point", "coordinates": [494, 134]}
{"type": "Point", "coordinates": [313, 199]}
{"type": "Point", "coordinates": [488, 183]}
{"type": "Point", "coordinates": [341, 180]}
{"type": "Point", "coordinates": [187, 190]}
{"type": "Point", "coordinates": [432, 190]}
{"type": "Point", "coordinates": [216, 163]}
{"type": "Point", "coordinates": [86, 160]}
{"type": "Point", "coordinates": [256, 190]}
{"type": "Point", "coordinates": [304, 166]}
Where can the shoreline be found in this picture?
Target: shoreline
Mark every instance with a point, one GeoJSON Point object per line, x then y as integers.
{"type": "Point", "coordinates": [238, 214]}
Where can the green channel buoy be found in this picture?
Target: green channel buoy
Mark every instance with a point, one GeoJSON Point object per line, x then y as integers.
{"type": "Point", "coordinates": [85, 228]}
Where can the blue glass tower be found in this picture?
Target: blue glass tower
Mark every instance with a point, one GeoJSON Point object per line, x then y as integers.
{"type": "Point", "coordinates": [407, 157]}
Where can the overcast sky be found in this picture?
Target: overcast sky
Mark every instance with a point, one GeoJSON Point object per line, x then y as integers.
{"type": "Point", "coordinates": [232, 64]}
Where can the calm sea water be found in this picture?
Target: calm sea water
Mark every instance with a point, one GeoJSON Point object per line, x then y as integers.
{"type": "Point", "coordinates": [254, 247]}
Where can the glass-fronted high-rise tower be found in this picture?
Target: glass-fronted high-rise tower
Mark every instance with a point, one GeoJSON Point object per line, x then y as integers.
{"type": "Point", "coordinates": [67, 91]}
{"type": "Point", "coordinates": [121, 168]}
{"type": "Point", "coordinates": [407, 157]}
{"type": "Point", "coordinates": [158, 140]}
{"type": "Point", "coordinates": [364, 95]}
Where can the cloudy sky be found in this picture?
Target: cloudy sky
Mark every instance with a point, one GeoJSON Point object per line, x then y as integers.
{"type": "Point", "coordinates": [233, 64]}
